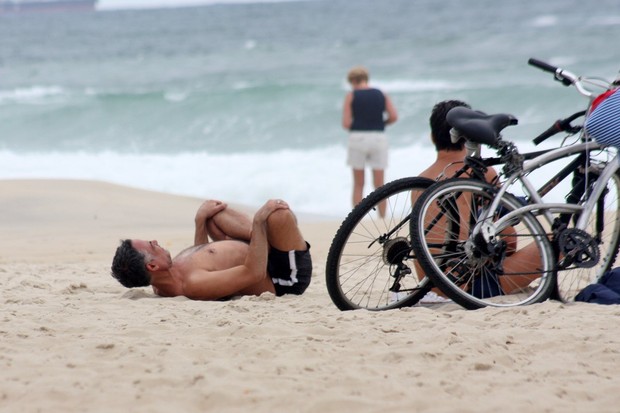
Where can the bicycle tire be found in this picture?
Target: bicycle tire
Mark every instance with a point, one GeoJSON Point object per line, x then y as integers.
{"type": "Point", "coordinates": [571, 281]}
{"type": "Point", "coordinates": [461, 267]}
{"type": "Point", "coordinates": [367, 250]}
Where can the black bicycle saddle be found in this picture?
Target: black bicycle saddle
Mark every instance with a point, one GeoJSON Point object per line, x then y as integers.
{"type": "Point", "coordinates": [477, 126]}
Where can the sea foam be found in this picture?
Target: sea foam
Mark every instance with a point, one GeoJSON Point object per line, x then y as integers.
{"type": "Point", "coordinates": [313, 181]}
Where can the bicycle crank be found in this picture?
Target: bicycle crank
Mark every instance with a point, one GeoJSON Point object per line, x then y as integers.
{"type": "Point", "coordinates": [577, 248]}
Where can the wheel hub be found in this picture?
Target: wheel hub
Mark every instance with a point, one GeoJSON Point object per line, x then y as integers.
{"type": "Point", "coordinates": [395, 250]}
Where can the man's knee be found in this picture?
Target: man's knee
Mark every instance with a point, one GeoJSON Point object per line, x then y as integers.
{"type": "Point", "coordinates": [281, 218]}
{"type": "Point", "coordinates": [283, 232]}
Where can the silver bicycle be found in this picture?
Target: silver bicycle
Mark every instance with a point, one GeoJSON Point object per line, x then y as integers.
{"type": "Point", "coordinates": [503, 244]}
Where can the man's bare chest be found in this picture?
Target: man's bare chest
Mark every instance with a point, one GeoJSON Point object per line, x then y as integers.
{"type": "Point", "coordinates": [213, 256]}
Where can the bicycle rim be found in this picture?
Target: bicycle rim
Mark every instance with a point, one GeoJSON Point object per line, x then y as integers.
{"type": "Point", "coordinates": [571, 281]}
{"type": "Point", "coordinates": [370, 263]}
{"type": "Point", "coordinates": [442, 222]}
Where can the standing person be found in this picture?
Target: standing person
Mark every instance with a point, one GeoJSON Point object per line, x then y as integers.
{"type": "Point", "coordinates": [364, 116]}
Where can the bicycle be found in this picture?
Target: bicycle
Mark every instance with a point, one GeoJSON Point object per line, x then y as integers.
{"type": "Point", "coordinates": [371, 263]}
{"type": "Point", "coordinates": [483, 246]}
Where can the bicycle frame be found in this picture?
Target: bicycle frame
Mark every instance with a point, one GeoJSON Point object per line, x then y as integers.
{"type": "Point", "coordinates": [489, 162]}
{"type": "Point", "coordinates": [537, 204]}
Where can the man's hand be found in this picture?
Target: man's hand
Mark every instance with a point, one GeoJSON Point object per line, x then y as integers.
{"type": "Point", "coordinates": [209, 208]}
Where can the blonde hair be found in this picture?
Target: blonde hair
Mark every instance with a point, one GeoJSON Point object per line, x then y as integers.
{"type": "Point", "coordinates": [357, 75]}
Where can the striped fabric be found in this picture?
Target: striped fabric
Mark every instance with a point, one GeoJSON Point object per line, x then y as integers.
{"type": "Point", "coordinates": [603, 124]}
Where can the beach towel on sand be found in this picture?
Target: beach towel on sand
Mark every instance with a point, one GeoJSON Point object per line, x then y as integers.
{"type": "Point", "coordinates": [605, 291]}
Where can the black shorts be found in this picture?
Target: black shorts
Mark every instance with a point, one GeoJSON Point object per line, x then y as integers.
{"type": "Point", "coordinates": [290, 271]}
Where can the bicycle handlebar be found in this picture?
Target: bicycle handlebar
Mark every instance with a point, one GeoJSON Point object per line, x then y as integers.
{"type": "Point", "coordinates": [561, 125]}
{"type": "Point", "coordinates": [542, 65]}
{"type": "Point", "coordinates": [567, 78]}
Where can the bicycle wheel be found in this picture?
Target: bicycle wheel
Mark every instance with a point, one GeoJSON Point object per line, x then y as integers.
{"type": "Point", "coordinates": [604, 226]}
{"type": "Point", "coordinates": [517, 269]}
{"type": "Point", "coordinates": [370, 264]}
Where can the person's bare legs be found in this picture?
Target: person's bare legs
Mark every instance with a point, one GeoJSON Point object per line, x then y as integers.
{"type": "Point", "coordinates": [224, 223]}
{"type": "Point", "coordinates": [358, 186]}
{"type": "Point", "coordinates": [229, 224]}
{"type": "Point", "coordinates": [378, 176]}
{"type": "Point", "coordinates": [283, 232]}
{"type": "Point", "coordinates": [526, 260]}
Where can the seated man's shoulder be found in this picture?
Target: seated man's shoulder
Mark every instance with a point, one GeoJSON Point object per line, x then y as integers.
{"type": "Point", "coordinates": [432, 172]}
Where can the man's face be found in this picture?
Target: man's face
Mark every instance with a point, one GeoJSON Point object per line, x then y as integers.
{"type": "Point", "coordinates": [157, 258]}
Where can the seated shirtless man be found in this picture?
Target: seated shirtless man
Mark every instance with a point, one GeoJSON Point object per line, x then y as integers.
{"type": "Point", "coordinates": [450, 155]}
{"type": "Point", "coordinates": [267, 254]}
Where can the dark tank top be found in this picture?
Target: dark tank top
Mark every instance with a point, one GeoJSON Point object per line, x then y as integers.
{"type": "Point", "coordinates": [367, 107]}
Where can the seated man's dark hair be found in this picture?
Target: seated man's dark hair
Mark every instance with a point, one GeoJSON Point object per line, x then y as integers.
{"type": "Point", "coordinates": [128, 266]}
{"type": "Point", "coordinates": [440, 130]}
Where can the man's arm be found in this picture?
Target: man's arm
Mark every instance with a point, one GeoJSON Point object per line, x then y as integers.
{"type": "Point", "coordinates": [215, 220]}
{"type": "Point", "coordinates": [391, 111]}
{"type": "Point", "coordinates": [249, 278]}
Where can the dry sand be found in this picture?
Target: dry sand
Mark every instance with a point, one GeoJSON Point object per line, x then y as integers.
{"type": "Point", "coordinates": [73, 340]}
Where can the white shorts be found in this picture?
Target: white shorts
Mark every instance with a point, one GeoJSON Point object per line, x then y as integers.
{"type": "Point", "coordinates": [367, 148]}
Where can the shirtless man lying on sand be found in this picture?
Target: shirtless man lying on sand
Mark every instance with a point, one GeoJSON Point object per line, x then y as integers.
{"type": "Point", "coordinates": [246, 257]}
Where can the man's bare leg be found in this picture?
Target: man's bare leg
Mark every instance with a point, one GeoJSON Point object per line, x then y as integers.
{"type": "Point", "coordinates": [230, 224]}
{"type": "Point", "coordinates": [378, 181]}
{"type": "Point", "coordinates": [283, 232]}
{"type": "Point", "coordinates": [215, 219]}
{"type": "Point", "coordinates": [526, 260]}
{"type": "Point", "coordinates": [227, 223]}
{"type": "Point", "coordinates": [284, 235]}
{"type": "Point", "coordinates": [358, 186]}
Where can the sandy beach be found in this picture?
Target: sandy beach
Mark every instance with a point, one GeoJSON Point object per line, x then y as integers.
{"type": "Point", "coordinates": [74, 340]}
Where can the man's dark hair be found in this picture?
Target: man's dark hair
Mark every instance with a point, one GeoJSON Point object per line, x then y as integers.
{"type": "Point", "coordinates": [440, 129]}
{"type": "Point", "coordinates": [129, 267]}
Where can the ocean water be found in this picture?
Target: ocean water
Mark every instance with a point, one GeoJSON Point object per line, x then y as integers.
{"type": "Point", "coordinates": [242, 102]}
